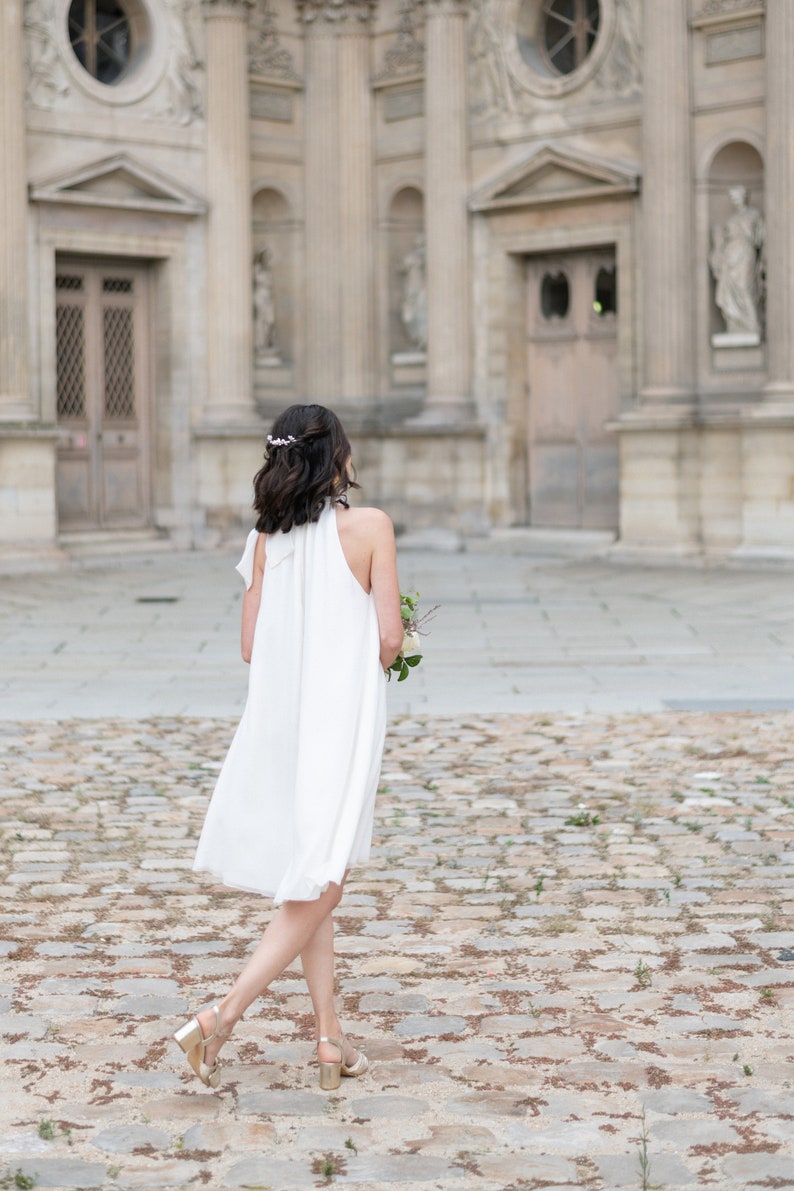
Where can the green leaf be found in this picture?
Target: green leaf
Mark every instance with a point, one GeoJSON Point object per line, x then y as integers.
{"type": "Point", "coordinates": [413, 660]}
{"type": "Point", "coordinates": [404, 672]}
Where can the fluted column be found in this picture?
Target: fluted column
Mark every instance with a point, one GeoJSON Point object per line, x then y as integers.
{"type": "Point", "coordinates": [446, 216]}
{"type": "Point", "coordinates": [15, 400]}
{"type": "Point", "coordinates": [779, 199]}
{"type": "Point", "coordinates": [340, 353]}
{"type": "Point", "coordinates": [229, 314]}
{"type": "Point", "coordinates": [668, 372]}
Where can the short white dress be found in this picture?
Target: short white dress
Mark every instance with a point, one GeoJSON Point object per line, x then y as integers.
{"type": "Point", "coordinates": [294, 802]}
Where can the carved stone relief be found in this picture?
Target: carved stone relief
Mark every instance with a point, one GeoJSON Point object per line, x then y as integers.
{"type": "Point", "coordinates": [184, 103]}
{"type": "Point", "coordinates": [266, 54]}
{"type": "Point", "coordinates": [621, 73]}
{"type": "Point", "coordinates": [491, 87]}
{"type": "Point", "coordinates": [335, 10]}
{"type": "Point", "coordinates": [407, 55]}
{"type": "Point", "coordinates": [715, 8]}
{"type": "Point", "coordinates": [46, 77]}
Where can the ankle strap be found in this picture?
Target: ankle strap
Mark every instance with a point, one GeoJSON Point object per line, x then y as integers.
{"type": "Point", "coordinates": [337, 1042]}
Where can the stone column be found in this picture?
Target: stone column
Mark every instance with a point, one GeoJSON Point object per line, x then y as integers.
{"type": "Point", "coordinates": [229, 251]}
{"type": "Point", "coordinates": [779, 197]}
{"type": "Point", "coordinates": [667, 270]}
{"type": "Point", "coordinates": [15, 402]}
{"type": "Point", "coordinates": [446, 215]}
{"type": "Point", "coordinates": [340, 329]}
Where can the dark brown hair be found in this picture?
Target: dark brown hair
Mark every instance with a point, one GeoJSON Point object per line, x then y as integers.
{"type": "Point", "coordinates": [306, 469]}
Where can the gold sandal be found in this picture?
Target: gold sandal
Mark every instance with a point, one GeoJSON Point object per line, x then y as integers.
{"type": "Point", "coordinates": [331, 1073]}
{"type": "Point", "coordinates": [193, 1043]}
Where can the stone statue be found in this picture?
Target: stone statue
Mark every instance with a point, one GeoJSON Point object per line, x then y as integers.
{"type": "Point", "coordinates": [736, 260]}
{"type": "Point", "coordinates": [414, 304]}
{"type": "Point", "coordinates": [264, 308]}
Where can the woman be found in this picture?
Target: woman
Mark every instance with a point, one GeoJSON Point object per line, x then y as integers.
{"type": "Point", "coordinates": [293, 807]}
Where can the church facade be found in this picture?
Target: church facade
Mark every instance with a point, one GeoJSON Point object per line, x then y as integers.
{"type": "Point", "coordinates": [537, 254]}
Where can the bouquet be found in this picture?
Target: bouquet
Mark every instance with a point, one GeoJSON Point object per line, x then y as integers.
{"type": "Point", "coordinates": [410, 655]}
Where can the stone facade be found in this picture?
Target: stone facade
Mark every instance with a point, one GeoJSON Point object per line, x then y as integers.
{"type": "Point", "coordinates": [494, 235]}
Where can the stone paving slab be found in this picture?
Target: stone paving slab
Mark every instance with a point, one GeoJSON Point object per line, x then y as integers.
{"type": "Point", "coordinates": [574, 946]}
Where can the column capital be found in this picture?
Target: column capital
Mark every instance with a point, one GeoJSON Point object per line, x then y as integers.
{"type": "Point", "coordinates": [335, 12]}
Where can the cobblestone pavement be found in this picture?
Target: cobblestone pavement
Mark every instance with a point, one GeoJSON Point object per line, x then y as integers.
{"type": "Point", "coordinates": [571, 962]}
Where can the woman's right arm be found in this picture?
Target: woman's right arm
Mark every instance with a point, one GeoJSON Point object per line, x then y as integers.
{"type": "Point", "coordinates": [386, 588]}
{"type": "Point", "coordinates": [252, 600]}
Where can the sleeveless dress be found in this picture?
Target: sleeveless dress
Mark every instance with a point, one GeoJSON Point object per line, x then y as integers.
{"type": "Point", "coordinates": [294, 801]}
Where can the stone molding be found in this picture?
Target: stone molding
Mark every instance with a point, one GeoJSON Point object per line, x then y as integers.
{"type": "Point", "coordinates": [120, 182]}
{"type": "Point", "coordinates": [554, 175]}
{"type": "Point", "coordinates": [335, 12]}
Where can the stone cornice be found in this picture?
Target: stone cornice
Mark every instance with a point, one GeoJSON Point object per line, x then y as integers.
{"type": "Point", "coordinates": [335, 11]}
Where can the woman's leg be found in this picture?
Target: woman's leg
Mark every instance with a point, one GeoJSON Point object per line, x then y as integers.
{"type": "Point", "coordinates": [288, 932]}
{"type": "Point", "coordinates": [317, 958]}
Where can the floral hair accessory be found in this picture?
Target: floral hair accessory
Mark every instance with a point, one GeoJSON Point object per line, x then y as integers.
{"type": "Point", "coordinates": [281, 442]}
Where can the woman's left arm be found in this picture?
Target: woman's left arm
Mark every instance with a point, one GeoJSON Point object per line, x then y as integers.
{"type": "Point", "coordinates": [252, 600]}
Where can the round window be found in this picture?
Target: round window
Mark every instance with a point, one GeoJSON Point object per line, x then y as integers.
{"type": "Point", "coordinates": [555, 296]}
{"type": "Point", "coordinates": [102, 36]}
{"type": "Point", "coordinates": [569, 31]}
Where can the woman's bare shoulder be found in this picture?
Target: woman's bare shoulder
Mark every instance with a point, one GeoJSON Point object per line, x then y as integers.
{"type": "Point", "coordinates": [366, 521]}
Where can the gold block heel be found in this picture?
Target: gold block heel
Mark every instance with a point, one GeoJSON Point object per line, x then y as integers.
{"type": "Point", "coordinates": [330, 1076]}
{"type": "Point", "coordinates": [189, 1035]}
{"type": "Point", "coordinates": [331, 1073]}
{"type": "Point", "coordinates": [193, 1043]}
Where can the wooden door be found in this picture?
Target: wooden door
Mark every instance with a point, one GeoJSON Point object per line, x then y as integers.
{"type": "Point", "coordinates": [572, 390]}
{"type": "Point", "coordinates": [103, 385]}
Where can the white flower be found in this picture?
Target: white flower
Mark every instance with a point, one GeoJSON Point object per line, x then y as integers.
{"type": "Point", "coordinates": [411, 644]}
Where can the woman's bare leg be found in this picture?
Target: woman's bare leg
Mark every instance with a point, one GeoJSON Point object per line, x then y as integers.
{"type": "Point", "coordinates": [288, 932]}
{"type": "Point", "coordinates": [317, 958]}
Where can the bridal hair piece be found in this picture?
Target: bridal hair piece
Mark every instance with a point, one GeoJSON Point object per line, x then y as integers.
{"type": "Point", "coordinates": [307, 464]}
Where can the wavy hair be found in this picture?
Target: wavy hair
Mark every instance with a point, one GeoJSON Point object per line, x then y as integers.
{"type": "Point", "coordinates": [308, 468]}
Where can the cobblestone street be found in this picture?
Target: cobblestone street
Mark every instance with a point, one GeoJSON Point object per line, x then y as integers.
{"type": "Point", "coordinates": [571, 962]}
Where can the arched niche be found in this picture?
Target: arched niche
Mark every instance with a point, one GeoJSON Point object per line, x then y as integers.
{"type": "Point", "coordinates": [406, 222]}
{"type": "Point", "coordinates": [736, 165]}
{"type": "Point", "coordinates": [273, 231]}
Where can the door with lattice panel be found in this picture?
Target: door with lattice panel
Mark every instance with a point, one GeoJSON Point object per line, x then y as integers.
{"type": "Point", "coordinates": [573, 390]}
{"type": "Point", "coordinates": [103, 386]}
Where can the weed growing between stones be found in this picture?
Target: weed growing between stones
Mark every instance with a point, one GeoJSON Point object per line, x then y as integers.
{"type": "Point", "coordinates": [642, 974]}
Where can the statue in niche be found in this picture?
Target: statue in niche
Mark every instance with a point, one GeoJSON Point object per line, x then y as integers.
{"type": "Point", "coordinates": [413, 310]}
{"type": "Point", "coordinates": [736, 260]}
{"type": "Point", "coordinates": [46, 81]}
{"type": "Point", "coordinates": [264, 309]}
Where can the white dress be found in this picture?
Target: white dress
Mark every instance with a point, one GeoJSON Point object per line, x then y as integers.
{"type": "Point", "coordinates": [294, 802]}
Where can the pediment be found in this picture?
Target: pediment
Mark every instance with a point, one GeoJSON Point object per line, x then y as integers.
{"type": "Point", "coordinates": [551, 174]}
{"type": "Point", "coordinates": [121, 182]}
